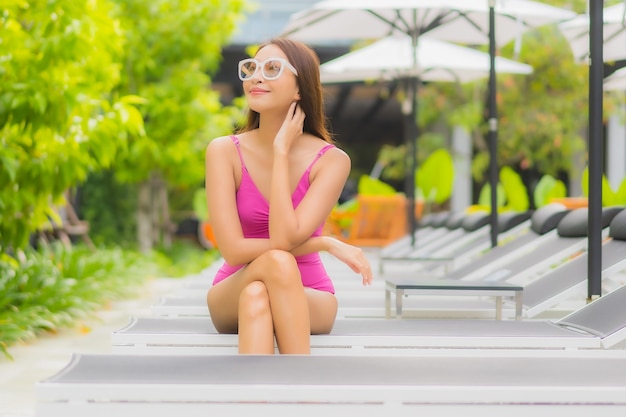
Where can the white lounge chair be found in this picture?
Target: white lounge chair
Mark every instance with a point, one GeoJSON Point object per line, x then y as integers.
{"type": "Point", "coordinates": [597, 325]}
{"type": "Point", "coordinates": [238, 385]}
{"type": "Point", "coordinates": [468, 237]}
{"type": "Point", "coordinates": [516, 236]}
{"type": "Point", "coordinates": [538, 292]}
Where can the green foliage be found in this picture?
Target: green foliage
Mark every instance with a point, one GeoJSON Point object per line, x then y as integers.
{"type": "Point", "coordinates": [511, 193]}
{"type": "Point", "coordinates": [620, 194]}
{"type": "Point", "coordinates": [345, 212]}
{"type": "Point", "coordinates": [55, 287]}
{"type": "Point", "coordinates": [184, 258]}
{"type": "Point", "coordinates": [58, 121]}
{"type": "Point", "coordinates": [466, 115]}
{"type": "Point", "coordinates": [80, 77]}
{"type": "Point", "coordinates": [484, 197]}
{"type": "Point", "coordinates": [373, 186]}
{"type": "Point", "coordinates": [110, 208]}
{"type": "Point", "coordinates": [540, 112]}
{"type": "Point", "coordinates": [171, 48]}
{"type": "Point", "coordinates": [435, 177]}
{"type": "Point", "coordinates": [610, 197]}
{"type": "Point", "coordinates": [200, 206]}
{"type": "Point", "coordinates": [548, 188]}
{"type": "Point", "coordinates": [392, 159]}
{"type": "Point", "coordinates": [514, 189]}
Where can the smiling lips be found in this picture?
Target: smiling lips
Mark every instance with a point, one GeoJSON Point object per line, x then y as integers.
{"type": "Point", "coordinates": [256, 91]}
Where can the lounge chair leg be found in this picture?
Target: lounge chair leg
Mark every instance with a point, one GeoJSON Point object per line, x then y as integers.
{"type": "Point", "coordinates": [387, 303]}
{"type": "Point", "coordinates": [399, 296]}
{"type": "Point", "coordinates": [499, 307]}
{"type": "Point", "coordinates": [519, 304]}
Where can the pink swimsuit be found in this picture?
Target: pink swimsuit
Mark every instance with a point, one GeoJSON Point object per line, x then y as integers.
{"type": "Point", "coordinates": [253, 211]}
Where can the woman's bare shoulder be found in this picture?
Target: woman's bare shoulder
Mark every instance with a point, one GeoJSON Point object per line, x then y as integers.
{"type": "Point", "coordinates": [335, 152]}
{"type": "Point", "coordinates": [219, 145]}
{"type": "Point", "coordinates": [338, 155]}
{"type": "Point", "coordinates": [333, 156]}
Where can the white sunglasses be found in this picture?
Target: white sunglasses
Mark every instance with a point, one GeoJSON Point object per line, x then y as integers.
{"type": "Point", "coordinates": [271, 68]}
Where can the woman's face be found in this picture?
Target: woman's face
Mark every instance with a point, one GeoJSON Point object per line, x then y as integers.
{"type": "Point", "coordinates": [275, 94]}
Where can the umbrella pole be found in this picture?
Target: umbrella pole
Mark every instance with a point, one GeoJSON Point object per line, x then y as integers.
{"type": "Point", "coordinates": [492, 135]}
{"type": "Point", "coordinates": [595, 149]}
{"type": "Point", "coordinates": [412, 132]}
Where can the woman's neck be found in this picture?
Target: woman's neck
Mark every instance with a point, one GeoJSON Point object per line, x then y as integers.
{"type": "Point", "coordinates": [269, 125]}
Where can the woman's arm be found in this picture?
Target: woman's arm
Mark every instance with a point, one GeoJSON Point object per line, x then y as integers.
{"type": "Point", "coordinates": [283, 223]}
{"type": "Point", "coordinates": [221, 187]}
{"type": "Point", "coordinates": [350, 255]}
{"type": "Point", "coordinates": [291, 227]}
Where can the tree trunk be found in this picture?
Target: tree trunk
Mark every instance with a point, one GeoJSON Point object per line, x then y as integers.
{"type": "Point", "coordinates": [144, 224]}
{"type": "Point", "coordinates": [153, 217]}
{"type": "Point", "coordinates": [154, 208]}
{"type": "Point", "coordinates": [166, 225]}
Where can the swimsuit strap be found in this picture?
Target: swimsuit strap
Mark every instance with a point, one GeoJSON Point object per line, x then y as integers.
{"type": "Point", "coordinates": [235, 140]}
{"type": "Point", "coordinates": [243, 165]}
{"type": "Point", "coordinates": [319, 155]}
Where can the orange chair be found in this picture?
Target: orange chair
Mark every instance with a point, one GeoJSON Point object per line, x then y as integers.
{"type": "Point", "coordinates": [571, 202]}
{"type": "Point", "coordinates": [206, 236]}
{"type": "Point", "coordinates": [378, 221]}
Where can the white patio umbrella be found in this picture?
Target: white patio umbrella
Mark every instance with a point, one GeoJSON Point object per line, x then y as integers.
{"type": "Point", "coordinates": [576, 31]}
{"type": "Point", "coordinates": [463, 21]}
{"type": "Point", "coordinates": [616, 81]}
{"type": "Point", "coordinates": [392, 58]}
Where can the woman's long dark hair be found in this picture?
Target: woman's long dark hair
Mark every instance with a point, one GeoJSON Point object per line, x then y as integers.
{"type": "Point", "coordinates": [307, 63]}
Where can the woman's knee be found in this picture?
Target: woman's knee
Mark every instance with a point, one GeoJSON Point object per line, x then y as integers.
{"type": "Point", "coordinates": [254, 301]}
{"type": "Point", "coordinates": [280, 267]}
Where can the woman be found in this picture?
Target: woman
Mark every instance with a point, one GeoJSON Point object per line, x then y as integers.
{"type": "Point", "coordinates": [269, 191]}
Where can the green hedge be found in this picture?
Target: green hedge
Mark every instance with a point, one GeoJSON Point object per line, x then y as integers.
{"type": "Point", "coordinates": [54, 287]}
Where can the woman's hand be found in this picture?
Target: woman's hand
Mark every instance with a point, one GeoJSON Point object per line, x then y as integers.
{"type": "Point", "coordinates": [353, 257]}
{"type": "Point", "coordinates": [291, 128]}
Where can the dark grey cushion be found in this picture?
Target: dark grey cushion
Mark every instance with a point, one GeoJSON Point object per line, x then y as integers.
{"type": "Point", "coordinates": [510, 219]}
{"type": "Point", "coordinates": [475, 221]}
{"type": "Point", "coordinates": [617, 228]}
{"type": "Point", "coordinates": [440, 219]}
{"type": "Point", "coordinates": [576, 222]}
{"type": "Point", "coordinates": [546, 218]}
{"type": "Point", "coordinates": [427, 220]}
{"type": "Point", "coordinates": [455, 220]}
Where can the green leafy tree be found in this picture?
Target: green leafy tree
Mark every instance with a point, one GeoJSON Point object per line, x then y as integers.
{"type": "Point", "coordinates": [171, 48]}
{"type": "Point", "coordinates": [540, 112]}
{"type": "Point", "coordinates": [58, 121]}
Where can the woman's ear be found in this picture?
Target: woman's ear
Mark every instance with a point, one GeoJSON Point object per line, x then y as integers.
{"type": "Point", "coordinates": [298, 98]}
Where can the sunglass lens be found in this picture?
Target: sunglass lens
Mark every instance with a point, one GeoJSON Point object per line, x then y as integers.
{"type": "Point", "coordinates": [247, 69]}
{"type": "Point", "coordinates": [272, 69]}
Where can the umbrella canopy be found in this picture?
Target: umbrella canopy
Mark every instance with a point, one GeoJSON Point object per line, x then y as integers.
{"type": "Point", "coordinates": [463, 21]}
{"type": "Point", "coordinates": [616, 81]}
{"type": "Point", "coordinates": [614, 34]}
{"type": "Point", "coordinates": [392, 58]}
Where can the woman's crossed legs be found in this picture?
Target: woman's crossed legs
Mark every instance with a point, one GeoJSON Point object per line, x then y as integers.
{"type": "Point", "coordinates": [266, 299]}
